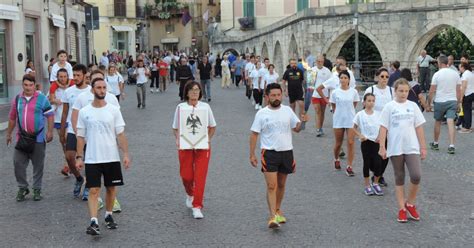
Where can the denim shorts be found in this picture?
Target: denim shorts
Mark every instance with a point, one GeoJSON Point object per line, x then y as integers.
{"type": "Point", "coordinates": [448, 108]}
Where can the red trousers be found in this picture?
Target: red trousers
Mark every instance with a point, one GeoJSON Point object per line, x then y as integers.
{"type": "Point", "coordinates": [193, 170]}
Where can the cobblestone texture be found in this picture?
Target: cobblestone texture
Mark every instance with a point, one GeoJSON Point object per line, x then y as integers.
{"type": "Point", "coordinates": [324, 208]}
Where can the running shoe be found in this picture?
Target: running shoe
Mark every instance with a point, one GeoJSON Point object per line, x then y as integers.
{"type": "Point", "coordinates": [337, 164]}
{"type": "Point", "coordinates": [93, 229]}
{"type": "Point", "coordinates": [189, 201]}
{"type": "Point", "coordinates": [209, 100]}
{"type": "Point", "coordinates": [382, 182]}
{"type": "Point", "coordinates": [368, 191]}
{"type": "Point", "coordinates": [279, 217]}
{"type": "Point", "coordinates": [116, 208]}
{"type": "Point", "coordinates": [110, 223]}
{"type": "Point", "coordinates": [197, 214]}
{"type": "Point", "coordinates": [37, 195]}
{"type": "Point", "coordinates": [22, 192]}
{"type": "Point", "coordinates": [451, 150]}
{"type": "Point", "coordinates": [65, 171]}
{"type": "Point", "coordinates": [464, 130]}
{"type": "Point", "coordinates": [100, 204]}
{"type": "Point", "coordinates": [349, 171]}
{"type": "Point", "coordinates": [434, 146]}
{"type": "Point", "coordinates": [319, 133]}
{"type": "Point", "coordinates": [402, 216]}
{"type": "Point", "coordinates": [377, 189]}
{"type": "Point", "coordinates": [411, 209]}
{"type": "Point", "coordinates": [273, 223]}
{"type": "Point", "coordinates": [342, 153]}
{"type": "Point", "coordinates": [85, 194]}
{"type": "Point", "coordinates": [77, 187]}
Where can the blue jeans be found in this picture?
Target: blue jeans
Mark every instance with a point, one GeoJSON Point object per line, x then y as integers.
{"type": "Point", "coordinates": [307, 99]}
{"type": "Point", "coordinates": [206, 88]}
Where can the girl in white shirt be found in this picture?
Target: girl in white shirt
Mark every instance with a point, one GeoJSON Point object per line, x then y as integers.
{"type": "Point", "coordinates": [401, 124]}
{"type": "Point", "coordinates": [115, 82]}
{"type": "Point", "coordinates": [344, 100]}
{"type": "Point", "coordinates": [368, 121]}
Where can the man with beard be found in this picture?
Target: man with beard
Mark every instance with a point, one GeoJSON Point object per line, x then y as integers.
{"type": "Point", "coordinates": [101, 125]}
{"type": "Point", "coordinates": [274, 123]}
{"type": "Point", "coordinates": [70, 142]}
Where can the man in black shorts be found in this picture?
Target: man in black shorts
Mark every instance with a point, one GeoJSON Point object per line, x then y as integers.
{"type": "Point", "coordinates": [274, 123]}
{"type": "Point", "coordinates": [102, 126]}
{"type": "Point", "coordinates": [293, 80]}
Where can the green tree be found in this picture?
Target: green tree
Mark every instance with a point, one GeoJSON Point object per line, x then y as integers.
{"type": "Point", "coordinates": [450, 41]}
{"type": "Point", "coordinates": [367, 49]}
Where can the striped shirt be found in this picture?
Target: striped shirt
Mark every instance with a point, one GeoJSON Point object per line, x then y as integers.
{"type": "Point", "coordinates": [32, 114]}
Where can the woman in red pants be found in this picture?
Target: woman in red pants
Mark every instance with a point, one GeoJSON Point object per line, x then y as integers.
{"type": "Point", "coordinates": [194, 157]}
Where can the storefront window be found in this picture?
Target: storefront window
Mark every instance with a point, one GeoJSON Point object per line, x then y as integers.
{"type": "Point", "coordinates": [121, 41]}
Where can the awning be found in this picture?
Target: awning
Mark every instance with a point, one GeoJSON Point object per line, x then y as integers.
{"type": "Point", "coordinates": [58, 21]}
{"type": "Point", "coordinates": [9, 12]}
{"type": "Point", "coordinates": [122, 28]}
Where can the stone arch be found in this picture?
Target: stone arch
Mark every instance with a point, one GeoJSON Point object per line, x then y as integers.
{"type": "Point", "coordinates": [293, 48]}
{"type": "Point", "coordinates": [337, 41]}
{"type": "Point", "coordinates": [430, 30]}
{"type": "Point", "coordinates": [232, 50]}
{"type": "Point", "coordinates": [278, 59]}
{"type": "Point", "coordinates": [264, 52]}
{"type": "Point", "coordinates": [254, 51]}
{"type": "Point", "coordinates": [247, 51]}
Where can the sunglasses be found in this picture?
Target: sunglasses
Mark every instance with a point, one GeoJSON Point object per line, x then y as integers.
{"type": "Point", "coordinates": [383, 76]}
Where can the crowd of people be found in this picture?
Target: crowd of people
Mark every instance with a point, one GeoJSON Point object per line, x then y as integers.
{"type": "Point", "coordinates": [83, 104]}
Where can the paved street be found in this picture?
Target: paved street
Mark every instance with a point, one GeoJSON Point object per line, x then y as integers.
{"type": "Point", "coordinates": [324, 208]}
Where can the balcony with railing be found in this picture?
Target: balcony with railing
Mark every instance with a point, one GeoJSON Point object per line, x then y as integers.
{"type": "Point", "coordinates": [121, 10]}
{"type": "Point", "coordinates": [140, 12]}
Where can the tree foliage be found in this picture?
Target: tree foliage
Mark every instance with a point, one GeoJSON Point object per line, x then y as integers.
{"type": "Point", "coordinates": [450, 41]}
{"type": "Point", "coordinates": [367, 49]}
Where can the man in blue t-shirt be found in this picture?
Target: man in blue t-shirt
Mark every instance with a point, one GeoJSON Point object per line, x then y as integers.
{"type": "Point", "coordinates": [237, 67]}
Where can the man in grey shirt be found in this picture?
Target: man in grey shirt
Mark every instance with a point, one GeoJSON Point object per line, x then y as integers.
{"type": "Point", "coordinates": [422, 66]}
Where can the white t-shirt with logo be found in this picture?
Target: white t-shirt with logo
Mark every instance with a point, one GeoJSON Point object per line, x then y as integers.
{"type": "Point", "coordinates": [344, 114]}
{"type": "Point", "coordinates": [446, 81]}
{"type": "Point", "coordinates": [100, 127]}
{"type": "Point", "coordinates": [141, 75]}
{"type": "Point", "coordinates": [254, 76]}
{"type": "Point", "coordinates": [274, 127]}
{"type": "Point", "coordinates": [382, 96]}
{"type": "Point", "coordinates": [323, 75]}
{"type": "Point", "coordinates": [469, 77]}
{"type": "Point", "coordinates": [369, 125]}
{"type": "Point", "coordinates": [113, 83]}
{"type": "Point", "coordinates": [69, 97]}
{"type": "Point", "coordinates": [401, 119]}
{"type": "Point", "coordinates": [200, 105]}
{"type": "Point", "coordinates": [55, 69]}
{"type": "Point", "coordinates": [85, 98]}
{"type": "Point", "coordinates": [271, 78]}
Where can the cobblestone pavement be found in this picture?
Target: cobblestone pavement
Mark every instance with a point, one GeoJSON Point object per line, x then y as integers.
{"type": "Point", "coordinates": [324, 208]}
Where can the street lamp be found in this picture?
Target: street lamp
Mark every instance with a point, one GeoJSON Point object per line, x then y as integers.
{"type": "Point", "coordinates": [355, 21]}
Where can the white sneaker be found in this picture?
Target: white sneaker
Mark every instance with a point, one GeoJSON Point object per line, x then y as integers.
{"type": "Point", "coordinates": [197, 214]}
{"type": "Point", "coordinates": [256, 106]}
{"type": "Point", "coordinates": [151, 91]}
{"type": "Point", "coordinates": [253, 102]}
{"type": "Point", "coordinates": [189, 201]}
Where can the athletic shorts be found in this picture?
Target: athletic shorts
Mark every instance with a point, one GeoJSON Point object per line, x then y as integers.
{"type": "Point", "coordinates": [319, 101]}
{"type": "Point", "coordinates": [71, 142]}
{"type": "Point", "coordinates": [111, 171]}
{"type": "Point", "coordinates": [58, 125]}
{"type": "Point", "coordinates": [448, 108]}
{"type": "Point", "coordinates": [296, 95]}
{"type": "Point", "coordinates": [282, 162]}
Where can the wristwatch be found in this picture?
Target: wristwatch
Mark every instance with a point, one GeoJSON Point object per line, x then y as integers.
{"type": "Point", "coordinates": [79, 157]}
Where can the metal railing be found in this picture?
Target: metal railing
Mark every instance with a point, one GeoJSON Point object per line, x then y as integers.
{"type": "Point", "coordinates": [368, 69]}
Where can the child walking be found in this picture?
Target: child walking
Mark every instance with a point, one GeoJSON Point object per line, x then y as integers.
{"type": "Point", "coordinates": [401, 124]}
{"type": "Point", "coordinates": [368, 121]}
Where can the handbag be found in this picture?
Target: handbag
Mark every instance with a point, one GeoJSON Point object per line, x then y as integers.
{"type": "Point", "coordinates": [26, 141]}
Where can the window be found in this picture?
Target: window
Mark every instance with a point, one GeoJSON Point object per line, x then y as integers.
{"type": "Point", "coordinates": [301, 5]}
{"type": "Point", "coordinates": [249, 8]}
{"type": "Point", "coordinates": [120, 8]}
{"type": "Point", "coordinates": [121, 41]}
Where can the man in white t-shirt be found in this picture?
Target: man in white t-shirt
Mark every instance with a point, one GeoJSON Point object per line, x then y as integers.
{"type": "Point", "coordinates": [340, 60]}
{"type": "Point", "coordinates": [101, 126]}
{"type": "Point", "coordinates": [322, 75]}
{"type": "Point", "coordinates": [249, 67]}
{"type": "Point", "coordinates": [446, 83]}
{"type": "Point", "coordinates": [69, 141]}
{"type": "Point", "coordinates": [274, 124]}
